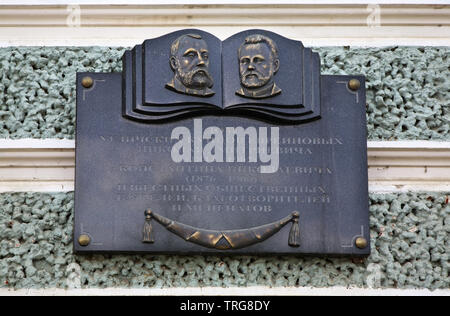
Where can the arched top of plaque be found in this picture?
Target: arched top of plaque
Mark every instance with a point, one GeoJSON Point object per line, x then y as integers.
{"type": "Point", "coordinates": [254, 73]}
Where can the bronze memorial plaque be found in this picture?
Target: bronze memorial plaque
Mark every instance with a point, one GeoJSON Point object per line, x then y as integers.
{"type": "Point", "coordinates": [223, 147]}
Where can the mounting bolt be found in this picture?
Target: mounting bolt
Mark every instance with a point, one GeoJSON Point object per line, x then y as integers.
{"type": "Point", "coordinates": [87, 82]}
{"type": "Point", "coordinates": [84, 240]}
{"type": "Point", "coordinates": [361, 242]}
{"type": "Point", "coordinates": [354, 84]}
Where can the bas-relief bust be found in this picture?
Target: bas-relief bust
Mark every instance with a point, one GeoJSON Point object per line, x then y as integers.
{"type": "Point", "coordinates": [189, 60]}
{"type": "Point", "coordinates": [258, 63]}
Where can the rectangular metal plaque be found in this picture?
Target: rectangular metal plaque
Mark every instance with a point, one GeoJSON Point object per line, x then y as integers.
{"type": "Point", "coordinates": [214, 183]}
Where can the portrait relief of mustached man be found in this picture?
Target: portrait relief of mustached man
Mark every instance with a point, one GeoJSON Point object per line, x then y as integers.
{"type": "Point", "coordinates": [189, 60]}
{"type": "Point", "coordinates": [258, 63]}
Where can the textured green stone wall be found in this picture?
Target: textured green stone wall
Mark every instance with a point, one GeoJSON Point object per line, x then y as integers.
{"type": "Point", "coordinates": [407, 90]}
{"type": "Point", "coordinates": [409, 238]}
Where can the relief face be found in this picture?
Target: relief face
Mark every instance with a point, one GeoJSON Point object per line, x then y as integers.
{"type": "Point", "coordinates": [189, 60]}
{"type": "Point", "coordinates": [258, 63]}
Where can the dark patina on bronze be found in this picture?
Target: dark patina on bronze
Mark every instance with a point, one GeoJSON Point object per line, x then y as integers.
{"type": "Point", "coordinates": [222, 239]}
{"type": "Point", "coordinates": [258, 63]}
{"type": "Point", "coordinates": [189, 60]}
{"type": "Point", "coordinates": [192, 84]}
{"type": "Point", "coordinates": [192, 73]}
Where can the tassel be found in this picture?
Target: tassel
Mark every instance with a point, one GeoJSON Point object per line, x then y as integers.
{"type": "Point", "coordinates": [148, 229]}
{"type": "Point", "coordinates": [294, 234]}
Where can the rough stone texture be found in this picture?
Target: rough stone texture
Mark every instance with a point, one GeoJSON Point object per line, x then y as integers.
{"type": "Point", "coordinates": [409, 237]}
{"type": "Point", "coordinates": [37, 87]}
{"type": "Point", "coordinates": [408, 88]}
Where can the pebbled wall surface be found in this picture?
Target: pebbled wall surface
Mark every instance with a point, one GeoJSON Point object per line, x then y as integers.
{"type": "Point", "coordinates": [408, 93]}
{"type": "Point", "coordinates": [409, 238]}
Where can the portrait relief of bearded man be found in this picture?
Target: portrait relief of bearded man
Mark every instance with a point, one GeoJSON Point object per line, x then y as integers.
{"type": "Point", "coordinates": [189, 60]}
{"type": "Point", "coordinates": [258, 63]}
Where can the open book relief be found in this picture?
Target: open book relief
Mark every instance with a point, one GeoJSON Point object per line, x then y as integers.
{"type": "Point", "coordinates": [255, 73]}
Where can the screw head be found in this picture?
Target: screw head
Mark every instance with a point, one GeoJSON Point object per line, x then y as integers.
{"type": "Point", "coordinates": [354, 84]}
{"type": "Point", "coordinates": [361, 242]}
{"type": "Point", "coordinates": [84, 240]}
{"type": "Point", "coordinates": [87, 82]}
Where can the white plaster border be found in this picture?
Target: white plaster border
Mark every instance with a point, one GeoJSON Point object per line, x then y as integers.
{"type": "Point", "coordinates": [259, 291]}
{"type": "Point", "coordinates": [47, 165]}
{"type": "Point", "coordinates": [329, 23]}
{"type": "Point", "coordinates": [212, 2]}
